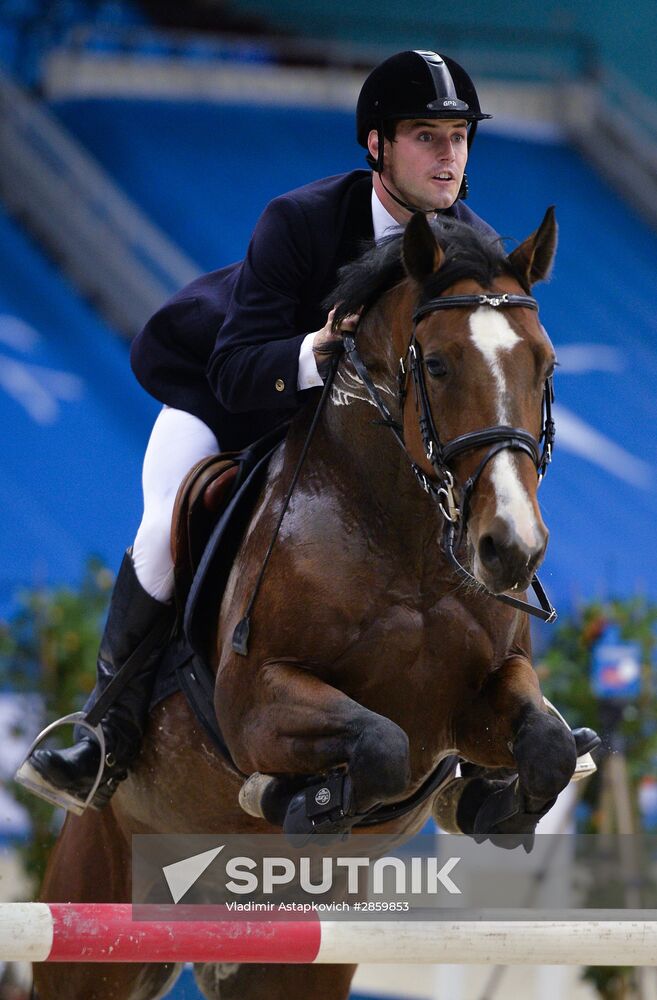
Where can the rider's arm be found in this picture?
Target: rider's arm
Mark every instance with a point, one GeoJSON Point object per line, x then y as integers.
{"type": "Point", "coordinates": [308, 377]}
{"type": "Point", "coordinates": [255, 362]}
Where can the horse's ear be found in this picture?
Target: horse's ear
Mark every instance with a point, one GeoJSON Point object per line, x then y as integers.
{"type": "Point", "coordinates": [422, 255]}
{"type": "Point", "coordinates": [533, 259]}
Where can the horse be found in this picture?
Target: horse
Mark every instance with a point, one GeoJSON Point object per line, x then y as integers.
{"type": "Point", "coordinates": [378, 646]}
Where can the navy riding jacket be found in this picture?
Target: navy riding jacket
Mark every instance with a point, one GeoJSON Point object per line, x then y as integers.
{"type": "Point", "coordinates": [226, 347]}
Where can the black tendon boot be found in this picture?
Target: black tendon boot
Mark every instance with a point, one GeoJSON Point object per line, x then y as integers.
{"type": "Point", "coordinates": [134, 618]}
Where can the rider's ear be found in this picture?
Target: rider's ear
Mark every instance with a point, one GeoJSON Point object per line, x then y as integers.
{"type": "Point", "coordinates": [421, 254]}
{"type": "Point", "coordinates": [532, 260]}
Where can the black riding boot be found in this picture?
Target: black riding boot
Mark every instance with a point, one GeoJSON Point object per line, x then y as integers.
{"type": "Point", "coordinates": [133, 617]}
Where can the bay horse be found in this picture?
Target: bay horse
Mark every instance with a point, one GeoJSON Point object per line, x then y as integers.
{"type": "Point", "coordinates": [369, 651]}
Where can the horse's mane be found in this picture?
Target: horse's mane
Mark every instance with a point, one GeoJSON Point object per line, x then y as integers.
{"type": "Point", "coordinates": [468, 254]}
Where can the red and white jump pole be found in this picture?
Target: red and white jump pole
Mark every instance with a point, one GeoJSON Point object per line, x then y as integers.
{"type": "Point", "coordinates": [104, 932]}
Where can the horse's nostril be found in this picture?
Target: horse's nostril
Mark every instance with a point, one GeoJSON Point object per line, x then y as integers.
{"type": "Point", "coordinates": [506, 559]}
{"type": "Point", "coordinates": [488, 552]}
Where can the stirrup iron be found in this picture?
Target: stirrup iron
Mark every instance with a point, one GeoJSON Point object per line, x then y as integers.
{"type": "Point", "coordinates": [30, 778]}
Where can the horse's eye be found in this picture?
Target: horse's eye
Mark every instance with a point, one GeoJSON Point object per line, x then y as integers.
{"type": "Point", "coordinates": [435, 367]}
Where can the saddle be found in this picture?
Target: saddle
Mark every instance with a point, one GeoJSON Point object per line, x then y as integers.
{"type": "Point", "coordinates": [202, 496]}
{"type": "Point", "coordinates": [212, 510]}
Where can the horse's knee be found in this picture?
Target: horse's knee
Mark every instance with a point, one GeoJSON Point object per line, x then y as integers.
{"type": "Point", "coordinates": [371, 769]}
{"type": "Point", "coordinates": [545, 753]}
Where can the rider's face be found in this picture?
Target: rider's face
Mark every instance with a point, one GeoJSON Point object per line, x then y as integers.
{"type": "Point", "coordinates": [425, 162]}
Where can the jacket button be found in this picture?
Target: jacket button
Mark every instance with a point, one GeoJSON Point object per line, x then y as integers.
{"type": "Point", "coordinates": [279, 385]}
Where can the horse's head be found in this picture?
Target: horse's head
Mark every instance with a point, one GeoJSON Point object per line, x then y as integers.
{"type": "Point", "coordinates": [476, 376]}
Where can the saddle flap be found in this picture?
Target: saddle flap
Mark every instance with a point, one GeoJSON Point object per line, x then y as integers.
{"type": "Point", "coordinates": [202, 495]}
{"type": "Point", "coordinates": [212, 573]}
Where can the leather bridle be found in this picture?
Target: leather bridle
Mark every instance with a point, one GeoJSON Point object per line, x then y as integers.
{"type": "Point", "coordinates": [441, 486]}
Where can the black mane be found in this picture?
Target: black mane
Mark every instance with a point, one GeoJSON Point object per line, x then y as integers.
{"type": "Point", "coordinates": [468, 254]}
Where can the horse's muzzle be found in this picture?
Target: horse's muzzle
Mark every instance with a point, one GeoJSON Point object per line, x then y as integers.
{"type": "Point", "coordinates": [505, 561]}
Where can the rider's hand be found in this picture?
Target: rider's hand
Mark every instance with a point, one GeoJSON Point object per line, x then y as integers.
{"type": "Point", "coordinates": [327, 342]}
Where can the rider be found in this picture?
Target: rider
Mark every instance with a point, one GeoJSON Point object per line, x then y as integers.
{"type": "Point", "coordinates": [417, 115]}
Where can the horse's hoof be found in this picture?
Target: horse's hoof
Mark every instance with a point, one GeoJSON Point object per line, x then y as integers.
{"type": "Point", "coordinates": [586, 741]}
{"type": "Point", "coordinates": [497, 811]}
{"type": "Point", "coordinates": [446, 802]}
{"type": "Point", "coordinates": [267, 796]}
{"type": "Point", "coordinates": [504, 812]}
{"type": "Point", "coordinates": [508, 841]}
{"type": "Point", "coordinates": [252, 793]}
{"type": "Point", "coordinates": [545, 755]}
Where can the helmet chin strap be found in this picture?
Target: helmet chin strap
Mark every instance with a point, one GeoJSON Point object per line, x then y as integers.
{"type": "Point", "coordinates": [463, 193]}
{"type": "Point", "coordinates": [405, 204]}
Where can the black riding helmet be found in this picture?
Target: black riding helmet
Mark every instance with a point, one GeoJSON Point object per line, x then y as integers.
{"type": "Point", "coordinates": [415, 84]}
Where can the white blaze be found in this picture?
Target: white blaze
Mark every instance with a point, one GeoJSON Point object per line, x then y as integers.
{"type": "Point", "coordinates": [493, 336]}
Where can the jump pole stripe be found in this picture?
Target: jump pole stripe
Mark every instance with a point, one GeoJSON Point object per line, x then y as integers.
{"type": "Point", "coordinates": [104, 932]}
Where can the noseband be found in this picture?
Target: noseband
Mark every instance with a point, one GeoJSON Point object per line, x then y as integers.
{"type": "Point", "coordinates": [441, 455]}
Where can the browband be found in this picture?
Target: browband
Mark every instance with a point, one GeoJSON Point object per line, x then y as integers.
{"type": "Point", "coordinates": [457, 301]}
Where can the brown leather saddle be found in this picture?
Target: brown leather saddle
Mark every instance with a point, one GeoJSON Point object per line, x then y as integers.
{"type": "Point", "coordinates": [211, 514]}
{"type": "Point", "coordinates": [202, 497]}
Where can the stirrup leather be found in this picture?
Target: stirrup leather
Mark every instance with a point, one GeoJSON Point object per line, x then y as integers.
{"type": "Point", "coordinates": [30, 778]}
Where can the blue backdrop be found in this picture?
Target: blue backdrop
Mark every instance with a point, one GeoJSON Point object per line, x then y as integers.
{"type": "Point", "coordinates": [76, 423]}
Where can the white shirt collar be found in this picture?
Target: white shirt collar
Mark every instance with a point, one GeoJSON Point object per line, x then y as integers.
{"type": "Point", "coordinates": [384, 224]}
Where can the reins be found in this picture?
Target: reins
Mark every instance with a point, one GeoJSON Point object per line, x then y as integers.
{"type": "Point", "coordinates": [240, 642]}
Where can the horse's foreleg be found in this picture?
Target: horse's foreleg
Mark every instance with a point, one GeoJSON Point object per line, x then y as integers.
{"type": "Point", "coordinates": [293, 723]}
{"type": "Point", "coordinates": [508, 726]}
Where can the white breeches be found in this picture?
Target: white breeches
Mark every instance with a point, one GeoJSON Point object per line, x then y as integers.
{"type": "Point", "coordinates": [177, 442]}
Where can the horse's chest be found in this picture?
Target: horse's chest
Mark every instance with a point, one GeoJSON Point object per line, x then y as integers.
{"type": "Point", "coordinates": [429, 655]}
